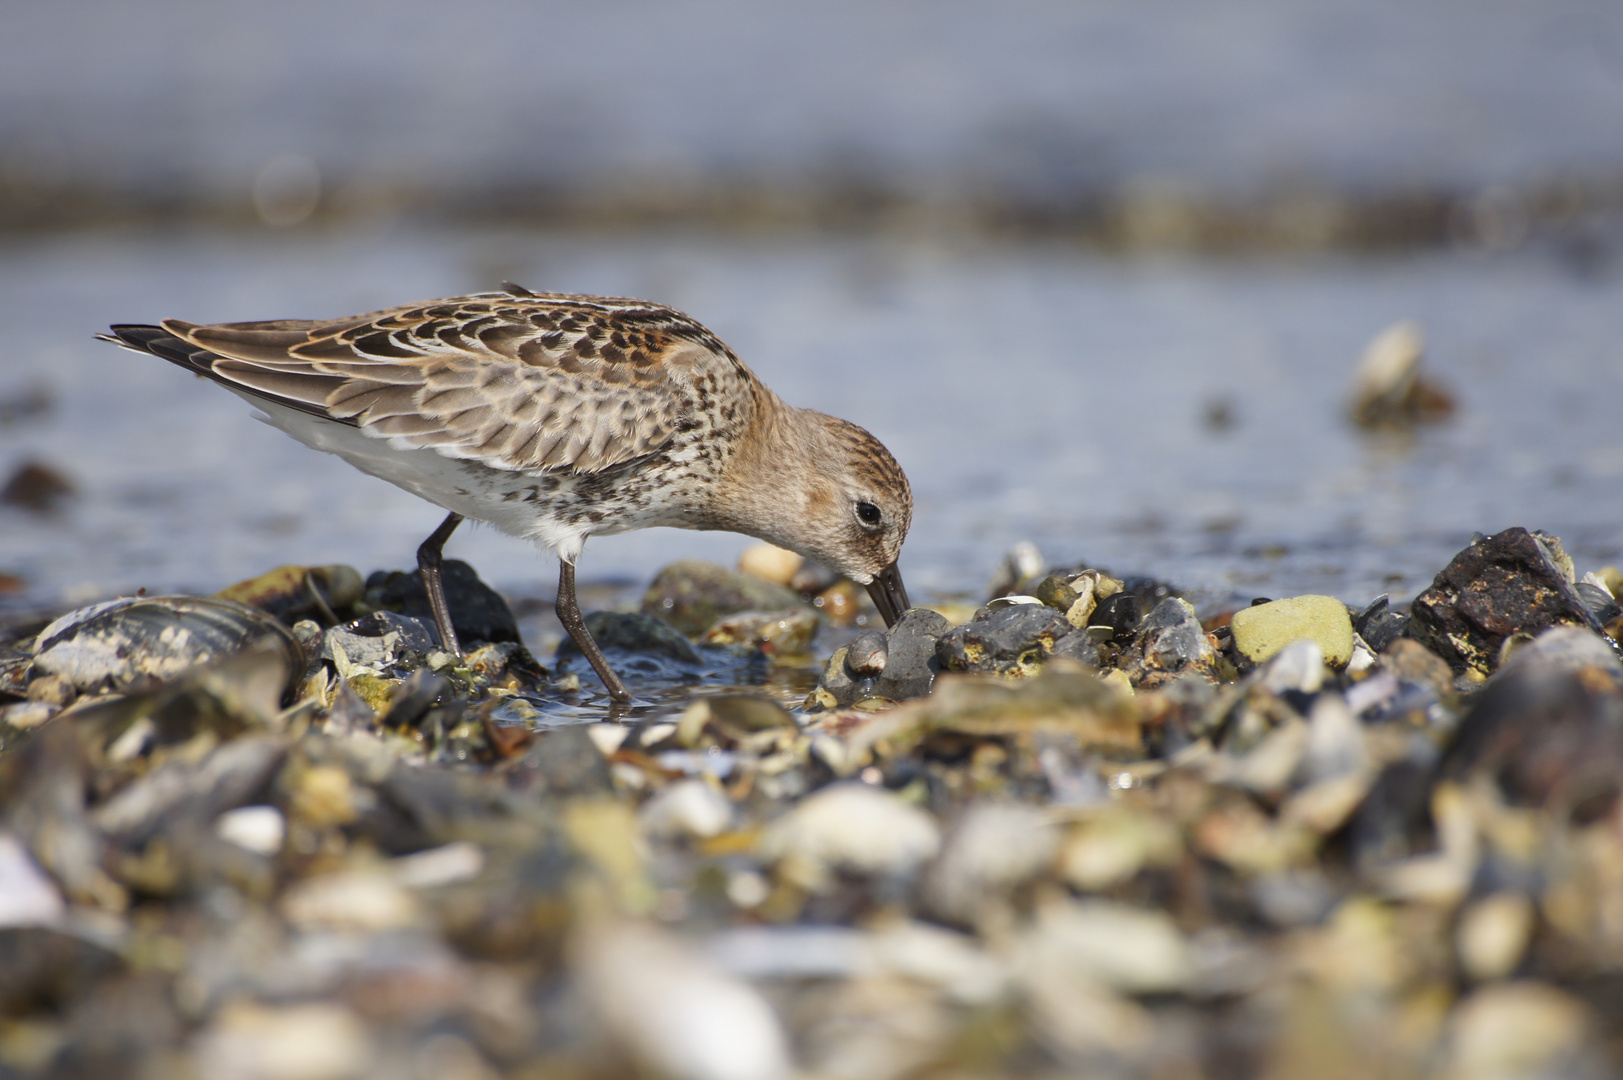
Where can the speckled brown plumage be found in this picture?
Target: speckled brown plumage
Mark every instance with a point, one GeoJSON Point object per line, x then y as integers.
{"type": "Point", "coordinates": [558, 417]}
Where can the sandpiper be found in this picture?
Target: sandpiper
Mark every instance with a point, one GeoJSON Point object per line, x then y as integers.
{"type": "Point", "coordinates": [557, 417]}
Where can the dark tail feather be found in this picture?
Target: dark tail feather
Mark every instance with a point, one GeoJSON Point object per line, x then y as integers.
{"type": "Point", "coordinates": [161, 343]}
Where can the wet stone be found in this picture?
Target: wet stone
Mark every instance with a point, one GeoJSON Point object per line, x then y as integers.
{"type": "Point", "coordinates": [789, 632]}
{"type": "Point", "coordinates": [691, 596]}
{"type": "Point", "coordinates": [1009, 640]}
{"type": "Point", "coordinates": [1515, 582]}
{"type": "Point", "coordinates": [634, 633]}
{"type": "Point", "coordinates": [478, 613]}
{"type": "Point", "coordinates": [911, 657]}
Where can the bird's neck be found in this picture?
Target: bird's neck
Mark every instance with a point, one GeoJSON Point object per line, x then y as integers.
{"type": "Point", "coordinates": [773, 475]}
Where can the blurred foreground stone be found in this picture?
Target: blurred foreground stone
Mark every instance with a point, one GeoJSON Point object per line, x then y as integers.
{"type": "Point", "coordinates": [1081, 833]}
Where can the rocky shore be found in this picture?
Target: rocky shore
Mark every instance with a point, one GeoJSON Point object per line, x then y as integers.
{"type": "Point", "coordinates": [1082, 829]}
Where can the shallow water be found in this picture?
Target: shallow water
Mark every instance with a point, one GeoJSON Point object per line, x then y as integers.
{"type": "Point", "coordinates": [1030, 392]}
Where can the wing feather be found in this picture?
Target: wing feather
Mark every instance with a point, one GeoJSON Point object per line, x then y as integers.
{"type": "Point", "coordinates": [519, 382]}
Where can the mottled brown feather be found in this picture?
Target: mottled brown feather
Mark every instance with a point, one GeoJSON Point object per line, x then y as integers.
{"type": "Point", "coordinates": [550, 382]}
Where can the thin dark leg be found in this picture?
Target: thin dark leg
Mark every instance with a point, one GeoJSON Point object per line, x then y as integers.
{"type": "Point", "coordinates": [428, 562]}
{"type": "Point", "coordinates": [569, 614]}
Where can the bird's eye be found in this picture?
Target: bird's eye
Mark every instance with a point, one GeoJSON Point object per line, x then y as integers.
{"type": "Point", "coordinates": [868, 513]}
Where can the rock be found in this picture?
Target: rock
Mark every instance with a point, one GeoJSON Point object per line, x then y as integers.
{"type": "Point", "coordinates": [368, 901]}
{"type": "Point", "coordinates": [316, 1041]}
{"type": "Point", "coordinates": [1515, 582]}
{"type": "Point", "coordinates": [478, 613]}
{"type": "Point", "coordinates": [1113, 843]}
{"type": "Point", "coordinates": [634, 633]}
{"type": "Point", "coordinates": [140, 639]}
{"type": "Point", "coordinates": [687, 809]}
{"type": "Point", "coordinates": [692, 595]}
{"type": "Point", "coordinates": [1414, 663]}
{"type": "Point", "coordinates": [1261, 631]}
{"type": "Point", "coordinates": [1296, 668]}
{"type": "Point", "coordinates": [27, 896]}
{"type": "Point", "coordinates": [293, 593]}
{"type": "Point", "coordinates": [1379, 625]}
{"type": "Point", "coordinates": [260, 829]}
{"type": "Point", "coordinates": [1056, 592]}
{"type": "Point", "coordinates": [854, 828]}
{"type": "Point", "coordinates": [1173, 638]}
{"type": "Point", "coordinates": [1493, 934]}
{"type": "Point", "coordinates": [380, 641]}
{"type": "Point", "coordinates": [910, 655]}
{"type": "Point", "coordinates": [1009, 641]}
{"type": "Point", "coordinates": [789, 632]}
{"type": "Point", "coordinates": [1543, 729]}
{"type": "Point", "coordinates": [672, 1012]}
{"type": "Point", "coordinates": [1518, 1029]}
{"type": "Point", "coordinates": [994, 847]}
{"type": "Point", "coordinates": [1126, 948]}
{"type": "Point", "coordinates": [38, 487]}
{"type": "Point", "coordinates": [771, 563]}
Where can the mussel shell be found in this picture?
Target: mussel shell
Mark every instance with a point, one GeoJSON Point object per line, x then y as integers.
{"type": "Point", "coordinates": [138, 640]}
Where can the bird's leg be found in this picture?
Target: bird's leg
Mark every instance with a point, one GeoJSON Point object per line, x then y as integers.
{"type": "Point", "coordinates": [569, 614]}
{"type": "Point", "coordinates": [428, 564]}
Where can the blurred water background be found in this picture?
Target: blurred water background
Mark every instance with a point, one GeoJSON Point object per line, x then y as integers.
{"type": "Point", "coordinates": [1098, 274]}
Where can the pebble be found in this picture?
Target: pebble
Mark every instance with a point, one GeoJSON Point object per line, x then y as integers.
{"type": "Point", "coordinates": [691, 596]}
{"type": "Point", "coordinates": [1493, 935]}
{"type": "Point", "coordinates": [317, 1041]}
{"type": "Point", "coordinates": [687, 809]}
{"type": "Point", "coordinates": [1129, 949]}
{"type": "Point", "coordinates": [855, 828]}
{"type": "Point", "coordinates": [1263, 630]}
{"type": "Point", "coordinates": [1518, 1029]}
{"type": "Point", "coordinates": [256, 828]}
{"type": "Point", "coordinates": [367, 900]}
{"type": "Point", "coordinates": [770, 563]}
{"type": "Point", "coordinates": [673, 1012]}
{"type": "Point", "coordinates": [993, 848]}
{"type": "Point", "coordinates": [27, 896]}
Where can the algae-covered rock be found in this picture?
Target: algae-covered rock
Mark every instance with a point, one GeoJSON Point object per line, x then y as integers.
{"type": "Point", "coordinates": [1261, 631]}
{"type": "Point", "coordinates": [1012, 640]}
{"type": "Point", "coordinates": [692, 595]}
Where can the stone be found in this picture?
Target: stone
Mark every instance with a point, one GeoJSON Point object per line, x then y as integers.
{"type": "Point", "coordinates": [1493, 934]}
{"type": "Point", "coordinates": [1261, 631]}
{"type": "Point", "coordinates": [1378, 625]}
{"type": "Point", "coordinates": [1173, 638]}
{"type": "Point", "coordinates": [1517, 1029]}
{"type": "Point", "coordinates": [789, 632]}
{"type": "Point", "coordinates": [1542, 729]}
{"type": "Point", "coordinates": [27, 896]}
{"type": "Point", "coordinates": [1389, 388]}
{"type": "Point", "coordinates": [362, 900]}
{"type": "Point", "coordinates": [1129, 949]}
{"type": "Point", "coordinates": [854, 828]}
{"type": "Point", "coordinates": [380, 640]}
{"type": "Point", "coordinates": [260, 829]}
{"type": "Point", "coordinates": [295, 593]}
{"type": "Point", "coordinates": [672, 1012]}
{"type": "Point", "coordinates": [692, 595]}
{"type": "Point", "coordinates": [687, 809]}
{"type": "Point", "coordinates": [993, 847]}
{"type": "Point", "coordinates": [771, 563]}
{"type": "Point", "coordinates": [1515, 582]}
{"type": "Point", "coordinates": [634, 633]}
{"type": "Point", "coordinates": [478, 613]}
{"type": "Point", "coordinates": [315, 1041]}
{"type": "Point", "coordinates": [910, 655]}
{"type": "Point", "coordinates": [1009, 641]}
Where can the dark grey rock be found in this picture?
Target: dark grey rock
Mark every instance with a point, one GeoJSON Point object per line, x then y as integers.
{"type": "Point", "coordinates": [478, 613]}
{"type": "Point", "coordinates": [910, 654]}
{"type": "Point", "coordinates": [1078, 646]}
{"type": "Point", "coordinates": [1005, 640]}
{"type": "Point", "coordinates": [1172, 636]}
{"type": "Point", "coordinates": [1379, 625]}
{"type": "Point", "coordinates": [637, 633]}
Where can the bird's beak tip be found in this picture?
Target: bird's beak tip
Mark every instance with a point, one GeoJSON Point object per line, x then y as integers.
{"type": "Point", "coordinates": [889, 594]}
